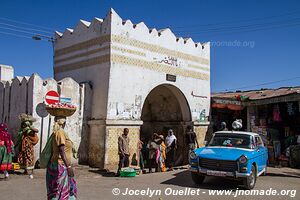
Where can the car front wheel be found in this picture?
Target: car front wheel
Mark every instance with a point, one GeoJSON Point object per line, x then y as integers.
{"type": "Point", "coordinates": [197, 178]}
{"type": "Point", "coordinates": [249, 182]}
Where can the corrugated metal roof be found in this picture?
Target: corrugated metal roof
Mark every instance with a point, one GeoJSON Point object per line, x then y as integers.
{"type": "Point", "coordinates": [259, 94]}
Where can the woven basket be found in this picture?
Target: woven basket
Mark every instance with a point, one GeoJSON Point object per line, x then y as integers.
{"type": "Point", "coordinates": [61, 112]}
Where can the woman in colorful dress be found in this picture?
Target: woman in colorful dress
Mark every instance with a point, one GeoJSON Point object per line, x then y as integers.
{"type": "Point", "coordinates": [161, 154]}
{"type": "Point", "coordinates": [6, 150]}
{"type": "Point", "coordinates": [27, 139]}
{"type": "Point", "coordinates": [60, 175]}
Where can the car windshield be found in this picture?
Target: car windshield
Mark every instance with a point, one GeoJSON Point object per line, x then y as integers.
{"type": "Point", "coordinates": [231, 140]}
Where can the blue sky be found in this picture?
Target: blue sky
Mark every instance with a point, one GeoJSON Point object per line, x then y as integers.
{"type": "Point", "coordinates": [253, 42]}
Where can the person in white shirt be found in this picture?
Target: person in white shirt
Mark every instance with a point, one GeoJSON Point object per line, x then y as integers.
{"type": "Point", "coordinates": [171, 143]}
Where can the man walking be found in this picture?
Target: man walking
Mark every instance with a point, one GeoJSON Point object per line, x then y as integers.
{"type": "Point", "coordinates": [123, 146]}
{"type": "Point", "coordinates": [191, 139]}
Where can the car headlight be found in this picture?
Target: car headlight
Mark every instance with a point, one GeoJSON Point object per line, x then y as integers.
{"type": "Point", "coordinates": [243, 159]}
{"type": "Point", "coordinates": [193, 155]}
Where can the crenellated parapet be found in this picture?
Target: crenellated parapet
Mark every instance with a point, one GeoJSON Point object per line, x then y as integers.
{"type": "Point", "coordinates": [110, 39]}
{"type": "Point", "coordinates": [114, 24]}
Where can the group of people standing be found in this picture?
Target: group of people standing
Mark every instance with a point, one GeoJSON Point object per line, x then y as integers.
{"type": "Point", "coordinates": [23, 151]}
{"type": "Point", "coordinates": [157, 153]}
{"type": "Point", "coordinates": [60, 175]}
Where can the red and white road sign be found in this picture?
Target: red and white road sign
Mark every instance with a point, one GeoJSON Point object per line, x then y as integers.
{"type": "Point", "coordinates": [52, 97]}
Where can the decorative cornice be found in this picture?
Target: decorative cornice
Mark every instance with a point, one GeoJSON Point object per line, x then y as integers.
{"type": "Point", "coordinates": [131, 42]}
{"type": "Point", "coordinates": [82, 45]}
{"type": "Point", "coordinates": [115, 58]}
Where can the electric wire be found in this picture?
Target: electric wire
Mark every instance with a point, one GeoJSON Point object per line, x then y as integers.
{"type": "Point", "coordinates": [244, 27]}
{"type": "Point", "coordinates": [25, 23]}
{"type": "Point", "coordinates": [238, 21]}
{"type": "Point", "coordinates": [25, 28]}
{"type": "Point", "coordinates": [262, 84]}
{"type": "Point", "coordinates": [17, 35]}
{"type": "Point", "coordinates": [21, 31]}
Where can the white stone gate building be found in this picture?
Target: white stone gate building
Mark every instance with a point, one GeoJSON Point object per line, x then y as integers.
{"type": "Point", "coordinates": [144, 79]}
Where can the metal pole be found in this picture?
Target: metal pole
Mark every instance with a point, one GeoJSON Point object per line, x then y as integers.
{"type": "Point", "coordinates": [42, 131]}
{"type": "Point", "coordinates": [49, 126]}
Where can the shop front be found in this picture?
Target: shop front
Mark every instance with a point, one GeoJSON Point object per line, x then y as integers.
{"type": "Point", "coordinates": [274, 114]}
{"type": "Point", "coordinates": [279, 124]}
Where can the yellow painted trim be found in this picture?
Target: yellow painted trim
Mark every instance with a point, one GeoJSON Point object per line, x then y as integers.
{"type": "Point", "coordinates": [158, 49]}
{"type": "Point", "coordinates": [56, 61]}
{"type": "Point", "coordinates": [83, 64]}
{"type": "Point", "coordinates": [133, 62]}
{"type": "Point", "coordinates": [158, 67]}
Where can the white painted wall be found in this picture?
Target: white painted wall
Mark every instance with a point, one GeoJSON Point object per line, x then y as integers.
{"type": "Point", "coordinates": [2, 93]}
{"type": "Point", "coordinates": [110, 97]}
{"type": "Point", "coordinates": [24, 94]}
{"type": "Point", "coordinates": [6, 72]}
{"type": "Point", "coordinates": [140, 81]}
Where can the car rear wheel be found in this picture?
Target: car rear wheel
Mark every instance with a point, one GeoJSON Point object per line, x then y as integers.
{"type": "Point", "coordinates": [249, 182]}
{"type": "Point", "coordinates": [197, 178]}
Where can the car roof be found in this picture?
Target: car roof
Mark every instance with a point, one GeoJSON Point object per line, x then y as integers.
{"type": "Point", "coordinates": [238, 132]}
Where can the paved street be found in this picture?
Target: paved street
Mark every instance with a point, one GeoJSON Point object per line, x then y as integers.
{"type": "Point", "coordinates": [92, 184]}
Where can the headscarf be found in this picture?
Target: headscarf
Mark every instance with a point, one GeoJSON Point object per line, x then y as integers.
{"type": "Point", "coordinates": [5, 136]}
{"type": "Point", "coordinates": [59, 121]}
{"type": "Point", "coordinates": [170, 138]}
{"type": "Point", "coordinates": [26, 130]}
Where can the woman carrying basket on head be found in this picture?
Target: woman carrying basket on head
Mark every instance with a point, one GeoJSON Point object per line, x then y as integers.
{"type": "Point", "coordinates": [60, 174]}
{"type": "Point", "coordinates": [27, 139]}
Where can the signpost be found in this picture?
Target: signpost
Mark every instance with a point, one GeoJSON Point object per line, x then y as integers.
{"type": "Point", "coordinates": [52, 97]}
{"type": "Point", "coordinates": [65, 100]}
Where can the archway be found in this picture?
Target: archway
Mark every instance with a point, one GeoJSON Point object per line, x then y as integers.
{"type": "Point", "coordinates": [167, 108]}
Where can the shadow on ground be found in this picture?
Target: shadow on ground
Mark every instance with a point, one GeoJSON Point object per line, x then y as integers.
{"type": "Point", "coordinates": [285, 174]}
{"type": "Point", "coordinates": [183, 179]}
{"type": "Point", "coordinates": [103, 173]}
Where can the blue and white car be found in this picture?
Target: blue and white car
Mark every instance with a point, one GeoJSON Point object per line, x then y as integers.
{"type": "Point", "coordinates": [240, 155]}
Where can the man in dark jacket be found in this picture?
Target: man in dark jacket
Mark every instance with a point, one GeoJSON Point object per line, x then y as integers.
{"type": "Point", "coordinates": [123, 146]}
{"type": "Point", "coordinates": [191, 139]}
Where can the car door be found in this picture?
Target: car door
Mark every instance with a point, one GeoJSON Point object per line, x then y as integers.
{"type": "Point", "coordinates": [264, 151]}
{"type": "Point", "coordinates": [260, 153]}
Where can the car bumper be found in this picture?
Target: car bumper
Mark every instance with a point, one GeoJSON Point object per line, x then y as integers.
{"type": "Point", "coordinates": [203, 171]}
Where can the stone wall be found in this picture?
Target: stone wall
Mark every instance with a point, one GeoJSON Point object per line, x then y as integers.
{"type": "Point", "coordinates": [201, 131]}
{"type": "Point", "coordinates": [27, 95]}
{"type": "Point", "coordinates": [111, 146]}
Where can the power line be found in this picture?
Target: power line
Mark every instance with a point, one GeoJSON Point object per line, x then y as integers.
{"type": "Point", "coordinates": [262, 84]}
{"type": "Point", "coordinates": [237, 21]}
{"type": "Point", "coordinates": [25, 28]}
{"type": "Point", "coordinates": [16, 35]}
{"type": "Point", "coordinates": [244, 27]}
{"type": "Point", "coordinates": [25, 23]}
{"type": "Point", "coordinates": [16, 30]}
{"type": "Point", "coordinates": [243, 31]}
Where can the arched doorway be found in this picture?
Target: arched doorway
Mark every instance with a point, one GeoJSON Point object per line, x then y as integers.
{"type": "Point", "coordinates": [166, 108]}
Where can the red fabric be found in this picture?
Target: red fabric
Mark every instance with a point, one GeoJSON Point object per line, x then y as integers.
{"type": "Point", "coordinates": [4, 167]}
{"type": "Point", "coordinates": [5, 136]}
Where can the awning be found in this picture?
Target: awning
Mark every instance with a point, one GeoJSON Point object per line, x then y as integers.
{"type": "Point", "coordinates": [228, 106]}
